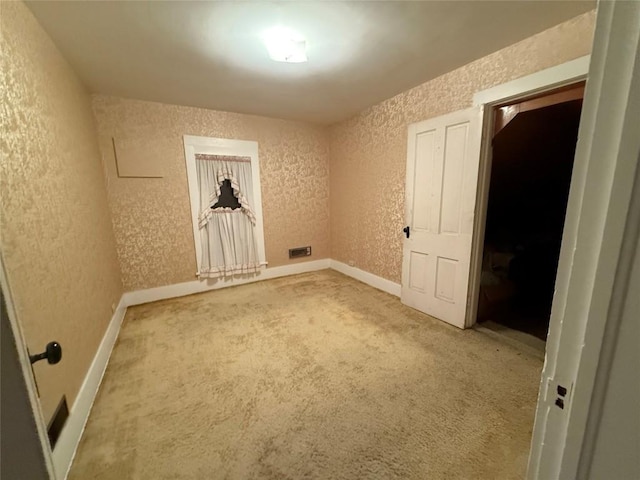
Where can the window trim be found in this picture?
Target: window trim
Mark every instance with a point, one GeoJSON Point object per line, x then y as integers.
{"type": "Point", "coordinates": [222, 146]}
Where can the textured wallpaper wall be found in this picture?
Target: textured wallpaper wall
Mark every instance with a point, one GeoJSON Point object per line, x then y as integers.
{"type": "Point", "coordinates": [368, 152]}
{"type": "Point", "coordinates": [57, 239]}
{"type": "Point", "coordinates": [152, 216]}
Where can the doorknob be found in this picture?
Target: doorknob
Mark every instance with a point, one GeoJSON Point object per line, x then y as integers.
{"type": "Point", "coordinates": [53, 354]}
{"type": "Point", "coordinates": [406, 230]}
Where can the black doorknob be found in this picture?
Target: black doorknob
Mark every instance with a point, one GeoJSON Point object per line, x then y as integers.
{"type": "Point", "coordinates": [406, 231]}
{"type": "Point", "coordinates": [53, 354]}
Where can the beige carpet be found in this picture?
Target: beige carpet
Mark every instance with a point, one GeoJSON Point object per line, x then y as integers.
{"type": "Point", "coordinates": [315, 376]}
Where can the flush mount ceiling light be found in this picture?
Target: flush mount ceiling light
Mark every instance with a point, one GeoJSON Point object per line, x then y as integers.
{"type": "Point", "coordinates": [285, 45]}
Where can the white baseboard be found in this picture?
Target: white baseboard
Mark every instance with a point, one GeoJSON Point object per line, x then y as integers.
{"type": "Point", "coordinates": [139, 297]}
{"type": "Point", "coordinates": [69, 438]}
{"type": "Point", "coordinates": [368, 278]}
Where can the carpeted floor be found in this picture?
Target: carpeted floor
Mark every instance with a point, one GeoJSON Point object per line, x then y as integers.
{"type": "Point", "coordinates": [315, 376]}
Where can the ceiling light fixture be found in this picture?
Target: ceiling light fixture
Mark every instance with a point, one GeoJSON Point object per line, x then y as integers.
{"type": "Point", "coordinates": [285, 45]}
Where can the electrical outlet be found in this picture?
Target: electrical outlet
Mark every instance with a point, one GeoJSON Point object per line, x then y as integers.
{"type": "Point", "coordinates": [352, 263]}
{"type": "Point", "coordinates": [113, 308]}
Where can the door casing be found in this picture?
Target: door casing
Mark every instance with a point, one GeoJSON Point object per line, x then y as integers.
{"type": "Point", "coordinates": [550, 79]}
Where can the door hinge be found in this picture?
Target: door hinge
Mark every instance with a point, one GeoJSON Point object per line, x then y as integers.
{"type": "Point", "coordinates": [559, 392]}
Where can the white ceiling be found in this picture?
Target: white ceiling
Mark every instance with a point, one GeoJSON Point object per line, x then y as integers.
{"type": "Point", "coordinates": [209, 54]}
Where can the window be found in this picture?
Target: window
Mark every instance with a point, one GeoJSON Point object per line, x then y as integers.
{"type": "Point", "coordinates": [226, 206]}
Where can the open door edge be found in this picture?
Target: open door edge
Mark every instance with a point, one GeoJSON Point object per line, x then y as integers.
{"type": "Point", "coordinates": [25, 366]}
{"type": "Point", "coordinates": [480, 217]}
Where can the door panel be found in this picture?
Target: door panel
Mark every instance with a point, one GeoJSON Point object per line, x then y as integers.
{"type": "Point", "coordinates": [446, 269]}
{"type": "Point", "coordinates": [442, 173]}
{"type": "Point", "coordinates": [418, 269]}
{"type": "Point", "coordinates": [454, 164]}
{"type": "Point", "coordinates": [425, 217]}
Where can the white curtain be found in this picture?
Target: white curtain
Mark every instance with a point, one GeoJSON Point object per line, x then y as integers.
{"type": "Point", "coordinates": [227, 235]}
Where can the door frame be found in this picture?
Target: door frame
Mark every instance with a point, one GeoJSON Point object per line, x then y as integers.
{"type": "Point", "coordinates": [600, 238]}
{"type": "Point", "coordinates": [568, 73]}
{"type": "Point", "coordinates": [27, 373]}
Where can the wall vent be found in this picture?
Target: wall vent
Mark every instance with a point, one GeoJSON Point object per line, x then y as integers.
{"type": "Point", "coordinates": [57, 421]}
{"type": "Point", "coordinates": [299, 252]}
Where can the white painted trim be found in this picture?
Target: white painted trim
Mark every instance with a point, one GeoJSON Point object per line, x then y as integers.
{"type": "Point", "coordinates": [593, 260]}
{"type": "Point", "coordinates": [222, 146]}
{"type": "Point", "coordinates": [368, 278]}
{"type": "Point", "coordinates": [139, 297]}
{"type": "Point", "coordinates": [548, 79]}
{"type": "Point", "coordinates": [148, 295]}
{"type": "Point", "coordinates": [69, 439]}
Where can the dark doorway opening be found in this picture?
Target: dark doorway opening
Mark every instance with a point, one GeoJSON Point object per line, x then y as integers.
{"type": "Point", "coordinates": [532, 162]}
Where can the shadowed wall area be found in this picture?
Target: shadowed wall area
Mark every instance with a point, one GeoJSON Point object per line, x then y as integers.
{"type": "Point", "coordinates": [310, 376]}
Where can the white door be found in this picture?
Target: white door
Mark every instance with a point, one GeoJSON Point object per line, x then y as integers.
{"type": "Point", "coordinates": [443, 156]}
